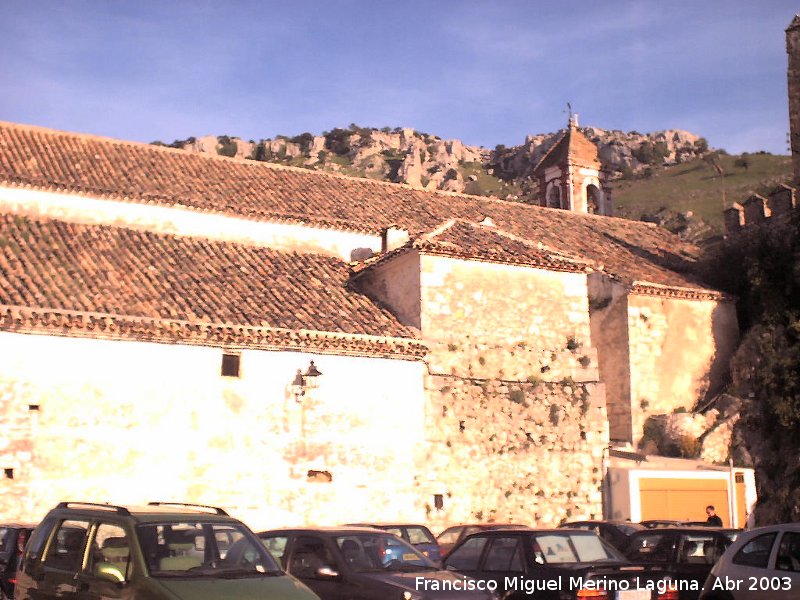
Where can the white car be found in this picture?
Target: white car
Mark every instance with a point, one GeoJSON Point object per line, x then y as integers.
{"type": "Point", "coordinates": [762, 564]}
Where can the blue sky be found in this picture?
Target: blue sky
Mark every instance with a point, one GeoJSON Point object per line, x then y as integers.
{"type": "Point", "coordinates": [487, 72]}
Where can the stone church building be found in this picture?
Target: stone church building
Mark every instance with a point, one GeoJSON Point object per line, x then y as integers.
{"type": "Point", "coordinates": [304, 347]}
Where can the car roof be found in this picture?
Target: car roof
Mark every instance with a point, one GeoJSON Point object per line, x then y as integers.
{"type": "Point", "coordinates": [680, 529]}
{"type": "Point", "coordinates": [379, 524]}
{"type": "Point", "coordinates": [605, 522]}
{"type": "Point", "coordinates": [325, 530]}
{"type": "Point", "coordinates": [155, 512]}
{"type": "Point", "coordinates": [19, 525]}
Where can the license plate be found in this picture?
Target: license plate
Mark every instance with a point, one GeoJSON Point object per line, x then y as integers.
{"type": "Point", "coordinates": [410, 557]}
{"type": "Point", "coordinates": [633, 595]}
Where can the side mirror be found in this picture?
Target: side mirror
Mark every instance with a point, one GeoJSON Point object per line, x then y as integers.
{"type": "Point", "coordinates": [109, 572]}
{"type": "Point", "coordinates": [327, 573]}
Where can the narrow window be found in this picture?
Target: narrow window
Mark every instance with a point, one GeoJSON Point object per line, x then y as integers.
{"type": "Point", "coordinates": [9, 473]}
{"type": "Point", "coordinates": [230, 365]}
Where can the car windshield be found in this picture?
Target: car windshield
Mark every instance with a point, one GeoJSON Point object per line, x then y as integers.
{"type": "Point", "coordinates": [226, 550]}
{"type": "Point", "coordinates": [381, 552]}
{"type": "Point", "coordinates": [555, 548]}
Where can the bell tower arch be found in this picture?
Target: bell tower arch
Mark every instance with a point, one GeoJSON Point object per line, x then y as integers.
{"type": "Point", "coordinates": [570, 175]}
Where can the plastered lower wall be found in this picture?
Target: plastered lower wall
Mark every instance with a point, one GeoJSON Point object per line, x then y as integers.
{"type": "Point", "coordinates": [131, 422]}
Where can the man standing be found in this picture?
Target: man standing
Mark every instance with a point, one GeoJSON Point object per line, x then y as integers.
{"type": "Point", "coordinates": [713, 519]}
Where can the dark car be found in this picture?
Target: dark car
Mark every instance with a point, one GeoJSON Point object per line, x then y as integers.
{"type": "Point", "coordinates": [657, 523]}
{"type": "Point", "coordinates": [688, 553]}
{"type": "Point", "coordinates": [555, 564]}
{"type": "Point", "coordinates": [615, 533]}
{"type": "Point", "coordinates": [359, 563]}
{"type": "Point", "coordinates": [453, 535]}
{"type": "Point", "coordinates": [13, 537]}
{"type": "Point", "coordinates": [418, 536]}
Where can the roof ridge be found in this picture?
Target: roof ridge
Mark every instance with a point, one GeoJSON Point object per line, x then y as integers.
{"type": "Point", "coordinates": [270, 165]}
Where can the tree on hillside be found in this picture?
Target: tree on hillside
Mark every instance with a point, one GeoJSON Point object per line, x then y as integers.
{"type": "Point", "coordinates": [743, 162]}
{"type": "Point", "coordinates": [761, 267]}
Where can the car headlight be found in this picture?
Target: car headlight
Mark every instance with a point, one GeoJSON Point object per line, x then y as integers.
{"type": "Point", "coordinates": [411, 596]}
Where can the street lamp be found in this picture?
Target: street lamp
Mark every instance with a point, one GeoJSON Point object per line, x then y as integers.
{"type": "Point", "coordinates": [305, 381]}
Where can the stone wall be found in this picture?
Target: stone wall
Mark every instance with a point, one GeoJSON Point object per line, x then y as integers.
{"type": "Point", "coordinates": [679, 353]}
{"type": "Point", "coordinates": [130, 422]}
{"type": "Point", "coordinates": [510, 451]}
{"type": "Point", "coordinates": [502, 304]}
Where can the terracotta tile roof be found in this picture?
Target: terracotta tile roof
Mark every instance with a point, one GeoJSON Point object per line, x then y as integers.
{"type": "Point", "coordinates": [189, 284]}
{"type": "Point", "coordinates": [571, 148]}
{"type": "Point", "coordinates": [50, 160]}
{"type": "Point", "coordinates": [474, 241]}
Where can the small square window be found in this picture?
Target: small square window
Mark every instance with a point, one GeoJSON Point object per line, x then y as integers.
{"type": "Point", "coordinates": [230, 365]}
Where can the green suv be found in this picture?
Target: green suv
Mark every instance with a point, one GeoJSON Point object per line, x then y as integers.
{"type": "Point", "coordinates": [162, 551]}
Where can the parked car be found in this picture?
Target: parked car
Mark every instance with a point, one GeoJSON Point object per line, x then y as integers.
{"type": "Point", "coordinates": [615, 533]}
{"type": "Point", "coordinates": [555, 564]}
{"type": "Point", "coordinates": [688, 553]}
{"type": "Point", "coordinates": [359, 563]}
{"type": "Point", "coordinates": [762, 564]}
{"type": "Point", "coordinates": [158, 552]}
{"type": "Point", "coordinates": [418, 536]}
{"type": "Point", "coordinates": [656, 523]}
{"type": "Point", "coordinates": [452, 535]}
{"type": "Point", "coordinates": [13, 537]}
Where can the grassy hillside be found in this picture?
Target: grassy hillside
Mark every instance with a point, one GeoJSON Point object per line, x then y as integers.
{"type": "Point", "coordinates": [696, 186]}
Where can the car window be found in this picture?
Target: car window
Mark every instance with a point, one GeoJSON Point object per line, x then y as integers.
{"type": "Point", "coordinates": [65, 551]}
{"type": "Point", "coordinates": [308, 556]}
{"type": "Point", "coordinates": [419, 535]}
{"type": "Point", "coordinates": [192, 549]}
{"type": "Point", "coordinates": [655, 547]}
{"type": "Point", "coordinates": [110, 550]}
{"type": "Point", "coordinates": [755, 553]}
{"type": "Point", "coordinates": [505, 554]}
{"type": "Point", "coordinates": [789, 552]}
{"type": "Point", "coordinates": [449, 536]}
{"type": "Point", "coordinates": [394, 531]}
{"type": "Point", "coordinates": [471, 530]}
{"type": "Point", "coordinates": [467, 556]}
{"type": "Point", "coordinates": [570, 548]}
{"type": "Point", "coordinates": [5, 540]}
{"type": "Point", "coordinates": [277, 547]}
{"type": "Point", "coordinates": [699, 549]}
{"type": "Point", "coordinates": [380, 552]}
{"type": "Point", "coordinates": [33, 550]}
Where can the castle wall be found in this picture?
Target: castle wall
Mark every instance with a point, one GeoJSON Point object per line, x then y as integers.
{"type": "Point", "coordinates": [182, 221]}
{"type": "Point", "coordinates": [131, 422]}
{"type": "Point", "coordinates": [793, 76]}
{"type": "Point", "coordinates": [515, 421]}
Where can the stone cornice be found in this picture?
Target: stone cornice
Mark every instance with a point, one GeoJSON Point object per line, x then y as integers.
{"type": "Point", "coordinates": [65, 323]}
{"type": "Point", "coordinates": [644, 288]}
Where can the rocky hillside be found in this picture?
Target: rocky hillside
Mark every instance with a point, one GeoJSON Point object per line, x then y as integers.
{"type": "Point", "coordinates": [427, 161]}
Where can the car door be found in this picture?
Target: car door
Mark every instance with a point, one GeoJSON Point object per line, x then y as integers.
{"type": "Point", "coordinates": [786, 574]}
{"type": "Point", "coordinates": [503, 561]}
{"type": "Point", "coordinates": [751, 563]}
{"type": "Point", "coordinates": [108, 558]}
{"type": "Point", "coordinates": [465, 558]}
{"type": "Point", "coordinates": [56, 575]}
{"type": "Point", "coordinates": [697, 553]}
{"type": "Point", "coordinates": [307, 554]}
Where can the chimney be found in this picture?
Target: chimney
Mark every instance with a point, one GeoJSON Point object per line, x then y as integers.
{"type": "Point", "coordinates": [393, 237]}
